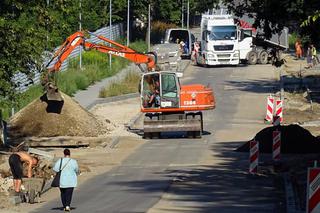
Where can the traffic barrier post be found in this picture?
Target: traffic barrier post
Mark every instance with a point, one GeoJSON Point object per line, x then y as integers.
{"type": "Point", "coordinates": [276, 145]}
{"type": "Point", "coordinates": [254, 157]}
{"type": "Point", "coordinates": [313, 190]}
{"type": "Point", "coordinates": [270, 108]}
{"type": "Point", "coordinates": [279, 109]}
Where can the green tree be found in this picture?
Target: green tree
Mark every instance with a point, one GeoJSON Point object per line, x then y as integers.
{"type": "Point", "coordinates": [21, 40]}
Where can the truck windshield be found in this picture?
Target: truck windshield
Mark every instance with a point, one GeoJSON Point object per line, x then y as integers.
{"type": "Point", "coordinates": [223, 33]}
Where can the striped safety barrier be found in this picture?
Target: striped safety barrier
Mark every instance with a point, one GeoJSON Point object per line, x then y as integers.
{"type": "Point", "coordinates": [279, 109]}
{"type": "Point", "coordinates": [313, 190]}
{"type": "Point", "coordinates": [254, 157]}
{"type": "Point", "coordinates": [270, 108]}
{"type": "Point", "coordinates": [276, 136]}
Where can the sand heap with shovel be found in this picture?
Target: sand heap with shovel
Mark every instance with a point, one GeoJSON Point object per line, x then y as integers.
{"type": "Point", "coordinates": [44, 118]}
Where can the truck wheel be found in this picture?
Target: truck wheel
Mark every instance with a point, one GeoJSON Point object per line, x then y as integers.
{"type": "Point", "coordinates": [263, 57]}
{"type": "Point", "coordinates": [252, 58]}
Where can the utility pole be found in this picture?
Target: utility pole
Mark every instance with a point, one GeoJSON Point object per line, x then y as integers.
{"type": "Point", "coordinates": [149, 27]}
{"type": "Point", "coordinates": [80, 28]}
{"type": "Point", "coordinates": [47, 44]}
{"type": "Point", "coordinates": [182, 14]}
{"type": "Point", "coordinates": [188, 16]}
{"type": "Point", "coordinates": [128, 24]}
{"type": "Point", "coordinates": [110, 31]}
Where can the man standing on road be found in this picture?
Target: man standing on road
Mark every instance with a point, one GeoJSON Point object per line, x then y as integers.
{"type": "Point", "coordinates": [15, 161]}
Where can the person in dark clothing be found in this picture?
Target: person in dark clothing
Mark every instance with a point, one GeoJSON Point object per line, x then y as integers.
{"type": "Point", "coordinates": [15, 161]}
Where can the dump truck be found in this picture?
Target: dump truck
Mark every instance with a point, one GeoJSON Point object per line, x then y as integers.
{"type": "Point", "coordinates": [168, 105]}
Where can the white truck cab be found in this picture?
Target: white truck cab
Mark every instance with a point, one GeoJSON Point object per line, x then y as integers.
{"type": "Point", "coordinates": [222, 42]}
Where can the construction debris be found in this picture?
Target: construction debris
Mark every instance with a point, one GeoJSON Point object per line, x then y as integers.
{"type": "Point", "coordinates": [6, 184]}
{"type": "Point", "coordinates": [42, 153]}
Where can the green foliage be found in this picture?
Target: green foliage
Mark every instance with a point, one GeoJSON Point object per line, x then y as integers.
{"type": "Point", "coordinates": [21, 100]}
{"type": "Point", "coordinates": [273, 15]}
{"type": "Point", "coordinates": [292, 40]}
{"type": "Point", "coordinates": [139, 46]}
{"type": "Point", "coordinates": [158, 31]}
{"type": "Point", "coordinates": [28, 28]}
{"type": "Point", "coordinates": [128, 85]}
{"type": "Point", "coordinates": [96, 67]}
{"type": "Point", "coordinates": [21, 33]}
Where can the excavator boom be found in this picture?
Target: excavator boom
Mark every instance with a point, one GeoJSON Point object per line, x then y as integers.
{"type": "Point", "coordinates": [78, 39]}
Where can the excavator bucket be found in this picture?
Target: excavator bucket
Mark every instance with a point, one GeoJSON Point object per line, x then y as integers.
{"type": "Point", "coordinates": [53, 93]}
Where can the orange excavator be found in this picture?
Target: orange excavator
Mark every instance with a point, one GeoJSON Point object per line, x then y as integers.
{"type": "Point", "coordinates": [168, 105]}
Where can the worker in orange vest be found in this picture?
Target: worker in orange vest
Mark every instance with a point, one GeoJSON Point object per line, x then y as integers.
{"type": "Point", "coordinates": [298, 47]}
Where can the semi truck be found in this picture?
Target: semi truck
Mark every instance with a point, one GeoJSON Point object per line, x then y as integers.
{"type": "Point", "coordinates": [228, 40]}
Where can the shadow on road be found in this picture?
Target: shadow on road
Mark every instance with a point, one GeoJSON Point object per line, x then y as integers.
{"type": "Point", "coordinates": [255, 86]}
{"type": "Point", "coordinates": [225, 187]}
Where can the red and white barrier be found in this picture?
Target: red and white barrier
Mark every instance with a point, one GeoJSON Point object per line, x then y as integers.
{"type": "Point", "coordinates": [313, 190]}
{"type": "Point", "coordinates": [279, 109]}
{"type": "Point", "coordinates": [254, 157]}
{"type": "Point", "coordinates": [270, 108]}
{"type": "Point", "coordinates": [276, 145]}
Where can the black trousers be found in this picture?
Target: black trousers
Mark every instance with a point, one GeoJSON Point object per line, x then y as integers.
{"type": "Point", "coordinates": [66, 196]}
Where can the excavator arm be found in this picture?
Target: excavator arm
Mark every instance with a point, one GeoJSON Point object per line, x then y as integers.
{"type": "Point", "coordinates": [78, 39]}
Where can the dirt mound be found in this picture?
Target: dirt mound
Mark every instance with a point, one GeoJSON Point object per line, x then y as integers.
{"type": "Point", "coordinates": [44, 118]}
{"type": "Point", "coordinates": [294, 139]}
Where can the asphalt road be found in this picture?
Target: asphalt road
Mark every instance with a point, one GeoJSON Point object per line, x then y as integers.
{"type": "Point", "coordinates": [190, 175]}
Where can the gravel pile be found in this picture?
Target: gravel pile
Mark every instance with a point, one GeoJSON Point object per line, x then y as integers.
{"type": "Point", "coordinates": [294, 139]}
{"type": "Point", "coordinates": [43, 118]}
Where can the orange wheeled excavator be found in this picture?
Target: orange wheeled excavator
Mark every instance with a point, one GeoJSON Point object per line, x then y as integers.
{"type": "Point", "coordinates": [168, 105]}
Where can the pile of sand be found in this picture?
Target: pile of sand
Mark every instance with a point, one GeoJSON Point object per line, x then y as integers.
{"type": "Point", "coordinates": [44, 118]}
{"type": "Point", "coordinates": [294, 139]}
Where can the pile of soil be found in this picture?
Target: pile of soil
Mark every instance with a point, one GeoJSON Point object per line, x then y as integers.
{"type": "Point", "coordinates": [294, 139]}
{"type": "Point", "coordinates": [44, 118]}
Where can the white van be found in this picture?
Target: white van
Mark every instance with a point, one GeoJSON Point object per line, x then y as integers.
{"type": "Point", "coordinates": [181, 36]}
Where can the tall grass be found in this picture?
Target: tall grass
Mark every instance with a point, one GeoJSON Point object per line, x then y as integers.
{"type": "Point", "coordinates": [95, 68]}
{"type": "Point", "coordinates": [128, 85]}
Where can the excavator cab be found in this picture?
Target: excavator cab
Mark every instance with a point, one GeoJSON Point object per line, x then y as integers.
{"type": "Point", "coordinates": [160, 90]}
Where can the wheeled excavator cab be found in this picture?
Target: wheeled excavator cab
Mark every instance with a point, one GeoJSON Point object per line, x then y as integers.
{"type": "Point", "coordinates": [160, 90]}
